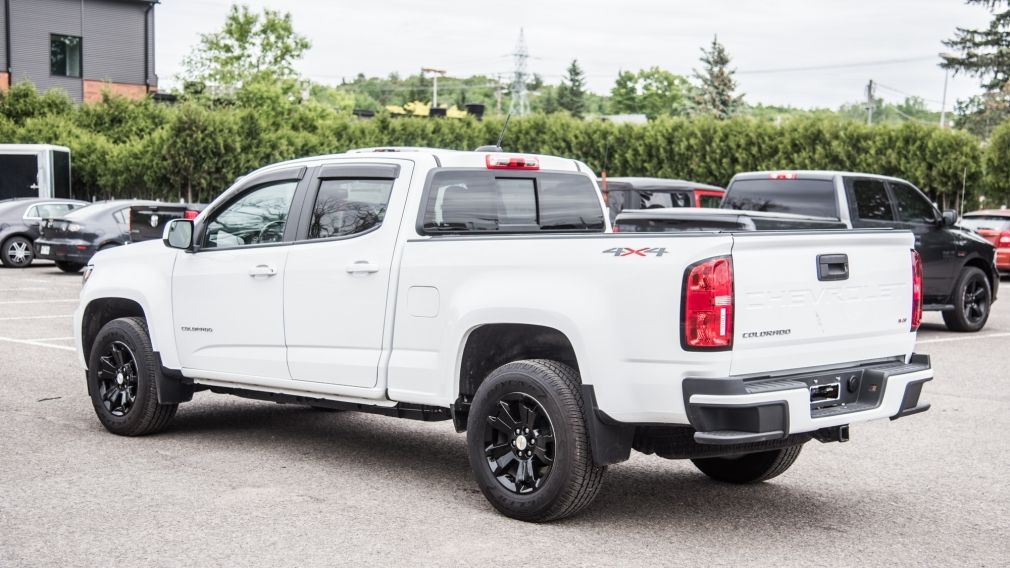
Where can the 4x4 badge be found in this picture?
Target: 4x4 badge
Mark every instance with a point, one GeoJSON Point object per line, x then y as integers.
{"type": "Point", "coordinates": [625, 251]}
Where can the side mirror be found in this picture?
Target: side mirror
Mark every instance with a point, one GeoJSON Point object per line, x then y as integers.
{"type": "Point", "coordinates": [948, 218]}
{"type": "Point", "coordinates": [179, 234]}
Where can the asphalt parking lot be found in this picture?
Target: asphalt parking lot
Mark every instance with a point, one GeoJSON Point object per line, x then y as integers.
{"type": "Point", "coordinates": [243, 483]}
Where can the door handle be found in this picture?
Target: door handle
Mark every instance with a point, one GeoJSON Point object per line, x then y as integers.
{"type": "Point", "coordinates": [362, 266]}
{"type": "Point", "coordinates": [262, 270]}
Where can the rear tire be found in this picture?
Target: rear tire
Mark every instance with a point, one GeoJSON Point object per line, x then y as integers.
{"type": "Point", "coordinates": [122, 373]}
{"type": "Point", "coordinates": [69, 267]}
{"type": "Point", "coordinates": [528, 443]}
{"type": "Point", "coordinates": [972, 301]}
{"type": "Point", "coordinates": [749, 468]}
{"type": "Point", "coordinates": [17, 252]}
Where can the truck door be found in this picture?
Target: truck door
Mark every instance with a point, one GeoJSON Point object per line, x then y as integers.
{"type": "Point", "coordinates": [19, 176]}
{"type": "Point", "coordinates": [227, 298]}
{"type": "Point", "coordinates": [338, 272]}
{"type": "Point", "coordinates": [937, 246]}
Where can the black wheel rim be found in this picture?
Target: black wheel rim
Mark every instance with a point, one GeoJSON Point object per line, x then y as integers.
{"type": "Point", "coordinates": [976, 301]}
{"type": "Point", "coordinates": [117, 378]}
{"type": "Point", "coordinates": [519, 443]}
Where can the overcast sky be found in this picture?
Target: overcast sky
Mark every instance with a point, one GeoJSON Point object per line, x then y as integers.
{"type": "Point", "coordinates": [803, 53]}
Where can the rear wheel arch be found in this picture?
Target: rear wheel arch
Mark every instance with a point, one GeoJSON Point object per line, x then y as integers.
{"type": "Point", "coordinates": [490, 346]}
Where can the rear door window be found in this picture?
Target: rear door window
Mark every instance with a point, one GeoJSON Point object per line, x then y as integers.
{"type": "Point", "coordinates": [463, 201]}
{"type": "Point", "coordinates": [870, 197]}
{"type": "Point", "coordinates": [347, 207]}
{"type": "Point", "coordinates": [814, 197]}
{"type": "Point", "coordinates": [913, 207]}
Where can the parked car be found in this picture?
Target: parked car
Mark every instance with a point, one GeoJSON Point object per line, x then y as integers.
{"type": "Point", "coordinates": [19, 226]}
{"type": "Point", "coordinates": [484, 288]}
{"type": "Point", "coordinates": [147, 222]}
{"type": "Point", "coordinates": [994, 226]}
{"type": "Point", "coordinates": [650, 193]}
{"type": "Point", "coordinates": [72, 239]}
{"type": "Point", "coordinates": [960, 278]}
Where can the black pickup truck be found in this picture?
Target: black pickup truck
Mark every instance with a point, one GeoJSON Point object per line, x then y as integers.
{"type": "Point", "coordinates": [959, 272]}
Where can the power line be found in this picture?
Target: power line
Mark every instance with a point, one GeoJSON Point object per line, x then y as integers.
{"type": "Point", "coordinates": [834, 66]}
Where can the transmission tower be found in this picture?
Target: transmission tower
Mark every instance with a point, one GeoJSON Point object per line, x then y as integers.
{"type": "Point", "coordinates": [520, 104]}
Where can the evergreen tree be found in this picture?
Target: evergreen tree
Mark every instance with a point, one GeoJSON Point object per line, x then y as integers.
{"type": "Point", "coordinates": [984, 53]}
{"type": "Point", "coordinates": [716, 95]}
{"type": "Point", "coordinates": [572, 91]}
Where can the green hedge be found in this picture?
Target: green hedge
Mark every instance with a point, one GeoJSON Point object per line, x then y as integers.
{"type": "Point", "coordinates": [138, 148]}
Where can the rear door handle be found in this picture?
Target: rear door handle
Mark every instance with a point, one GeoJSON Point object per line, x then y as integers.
{"type": "Point", "coordinates": [362, 266]}
{"type": "Point", "coordinates": [262, 270]}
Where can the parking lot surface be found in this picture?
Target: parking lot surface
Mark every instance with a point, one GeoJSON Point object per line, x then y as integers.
{"type": "Point", "coordinates": [244, 483]}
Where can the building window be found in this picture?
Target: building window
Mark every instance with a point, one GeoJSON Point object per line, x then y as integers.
{"type": "Point", "coordinates": [65, 55]}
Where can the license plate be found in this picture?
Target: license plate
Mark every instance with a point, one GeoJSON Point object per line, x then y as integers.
{"type": "Point", "coordinates": [44, 249]}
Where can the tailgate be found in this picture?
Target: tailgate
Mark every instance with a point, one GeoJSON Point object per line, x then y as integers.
{"type": "Point", "coordinates": [792, 314]}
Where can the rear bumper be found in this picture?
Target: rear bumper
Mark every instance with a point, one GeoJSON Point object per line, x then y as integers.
{"type": "Point", "coordinates": [65, 250]}
{"type": "Point", "coordinates": [740, 411]}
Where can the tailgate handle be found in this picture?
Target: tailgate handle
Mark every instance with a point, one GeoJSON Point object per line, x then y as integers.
{"type": "Point", "coordinates": [832, 267]}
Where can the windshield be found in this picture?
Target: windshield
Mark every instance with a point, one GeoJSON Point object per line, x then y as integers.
{"type": "Point", "coordinates": [984, 222]}
{"type": "Point", "coordinates": [813, 197]}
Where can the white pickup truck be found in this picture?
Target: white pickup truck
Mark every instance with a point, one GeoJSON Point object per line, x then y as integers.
{"type": "Point", "coordinates": [485, 288]}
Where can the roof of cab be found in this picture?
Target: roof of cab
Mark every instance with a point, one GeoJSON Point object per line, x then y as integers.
{"type": "Point", "coordinates": [657, 184]}
{"type": "Point", "coordinates": [810, 174]}
{"type": "Point", "coordinates": [443, 158]}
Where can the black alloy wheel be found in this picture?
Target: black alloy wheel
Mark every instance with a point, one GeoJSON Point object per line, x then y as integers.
{"type": "Point", "coordinates": [519, 443]}
{"type": "Point", "coordinates": [976, 301]}
{"type": "Point", "coordinates": [972, 301]}
{"type": "Point", "coordinates": [117, 378]}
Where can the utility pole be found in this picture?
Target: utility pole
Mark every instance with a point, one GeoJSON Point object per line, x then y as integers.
{"type": "Point", "coordinates": [520, 104]}
{"type": "Point", "coordinates": [497, 94]}
{"type": "Point", "coordinates": [870, 91]}
{"type": "Point", "coordinates": [435, 73]}
{"type": "Point", "coordinates": [946, 77]}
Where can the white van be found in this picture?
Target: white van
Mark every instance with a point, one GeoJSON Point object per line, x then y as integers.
{"type": "Point", "coordinates": [34, 170]}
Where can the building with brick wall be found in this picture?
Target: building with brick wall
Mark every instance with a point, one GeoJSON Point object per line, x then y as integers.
{"type": "Point", "coordinates": [80, 46]}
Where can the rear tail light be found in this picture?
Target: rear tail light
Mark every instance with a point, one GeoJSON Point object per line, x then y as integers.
{"type": "Point", "coordinates": [916, 290]}
{"type": "Point", "coordinates": [190, 214]}
{"type": "Point", "coordinates": [617, 228]}
{"type": "Point", "coordinates": [708, 305]}
{"type": "Point", "coordinates": [499, 162]}
{"type": "Point", "coordinates": [782, 175]}
{"type": "Point", "coordinates": [1004, 239]}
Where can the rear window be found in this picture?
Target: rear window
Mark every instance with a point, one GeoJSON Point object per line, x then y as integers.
{"type": "Point", "coordinates": [812, 197]}
{"type": "Point", "coordinates": [469, 201]}
{"type": "Point", "coordinates": [983, 222]}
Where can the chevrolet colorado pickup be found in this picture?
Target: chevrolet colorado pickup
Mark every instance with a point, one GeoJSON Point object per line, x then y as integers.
{"type": "Point", "coordinates": [478, 287]}
{"type": "Point", "coordinates": [960, 278]}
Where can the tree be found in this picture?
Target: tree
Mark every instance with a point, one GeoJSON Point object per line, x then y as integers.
{"type": "Point", "coordinates": [624, 94]}
{"type": "Point", "coordinates": [250, 47]}
{"type": "Point", "coordinates": [716, 95]}
{"type": "Point", "coordinates": [653, 92]}
{"type": "Point", "coordinates": [984, 53]}
{"type": "Point", "coordinates": [571, 94]}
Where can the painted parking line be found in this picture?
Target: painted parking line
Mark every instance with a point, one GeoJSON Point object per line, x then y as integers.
{"type": "Point", "coordinates": [964, 338]}
{"type": "Point", "coordinates": [19, 318]}
{"type": "Point", "coordinates": [37, 302]}
{"type": "Point", "coordinates": [36, 343]}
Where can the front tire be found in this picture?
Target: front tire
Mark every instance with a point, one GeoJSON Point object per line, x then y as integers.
{"type": "Point", "coordinates": [122, 371]}
{"type": "Point", "coordinates": [528, 443]}
{"type": "Point", "coordinates": [749, 468]}
{"type": "Point", "coordinates": [972, 301]}
{"type": "Point", "coordinates": [69, 267]}
{"type": "Point", "coordinates": [17, 252]}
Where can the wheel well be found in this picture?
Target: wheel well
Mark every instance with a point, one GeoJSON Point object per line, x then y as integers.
{"type": "Point", "coordinates": [12, 235]}
{"type": "Point", "coordinates": [981, 265]}
{"type": "Point", "coordinates": [491, 346]}
{"type": "Point", "coordinates": [102, 311]}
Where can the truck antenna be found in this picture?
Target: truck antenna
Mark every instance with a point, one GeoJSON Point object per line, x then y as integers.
{"type": "Point", "coordinates": [504, 127]}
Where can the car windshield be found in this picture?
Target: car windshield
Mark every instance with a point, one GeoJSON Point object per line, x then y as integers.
{"type": "Point", "coordinates": [986, 222]}
{"type": "Point", "coordinates": [813, 197]}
